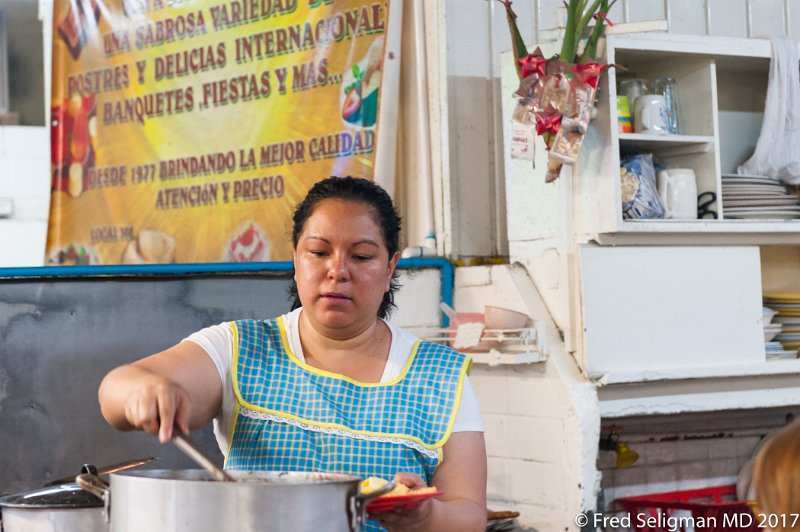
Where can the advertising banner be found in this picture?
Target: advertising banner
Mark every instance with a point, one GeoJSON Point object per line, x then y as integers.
{"type": "Point", "coordinates": [187, 130]}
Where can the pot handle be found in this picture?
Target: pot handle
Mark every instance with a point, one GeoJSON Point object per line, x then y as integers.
{"type": "Point", "coordinates": [358, 504]}
{"type": "Point", "coordinates": [98, 487]}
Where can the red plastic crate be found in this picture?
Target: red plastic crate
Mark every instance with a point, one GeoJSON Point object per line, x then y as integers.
{"type": "Point", "coordinates": [717, 506]}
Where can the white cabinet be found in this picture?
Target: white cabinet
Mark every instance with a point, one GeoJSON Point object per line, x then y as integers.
{"type": "Point", "coordinates": [658, 299]}
{"type": "Point", "coordinates": [721, 93]}
{"type": "Point", "coordinates": [666, 311]}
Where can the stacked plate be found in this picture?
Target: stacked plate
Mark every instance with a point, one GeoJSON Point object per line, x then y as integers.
{"type": "Point", "coordinates": [787, 305]}
{"type": "Point", "coordinates": [755, 197]}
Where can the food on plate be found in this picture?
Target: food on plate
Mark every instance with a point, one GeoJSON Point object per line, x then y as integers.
{"type": "Point", "coordinates": [73, 254]}
{"type": "Point", "coordinates": [360, 89]}
{"type": "Point", "coordinates": [80, 136]}
{"type": "Point", "coordinates": [352, 105]}
{"type": "Point", "coordinates": [373, 484]}
{"type": "Point", "coordinates": [72, 137]}
{"type": "Point", "coordinates": [75, 180]}
{"type": "Point", "coordinates": [248, 244]}
{"type": "Point", "coordinates": [150, 247]}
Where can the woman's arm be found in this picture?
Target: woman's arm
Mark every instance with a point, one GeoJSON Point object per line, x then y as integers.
{"type": "Point", "coordinates": [177, 387]}
{"type": "Point", "coordinates": [462, 478]}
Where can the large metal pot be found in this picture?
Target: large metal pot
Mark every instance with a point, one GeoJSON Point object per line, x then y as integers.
{"type": "Point", "coordinates": [64, 508]}
{"type": "Point", "coordinates": [191, 501]}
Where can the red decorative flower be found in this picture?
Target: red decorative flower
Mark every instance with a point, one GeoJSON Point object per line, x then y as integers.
{"type": "Point", "coordinates": [533, 64]}
{"type": "Point", "coordinates": [588, 73]}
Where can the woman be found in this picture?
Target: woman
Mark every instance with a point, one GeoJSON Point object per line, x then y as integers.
{"type": "Point", "coordinates": [331, 386]}
{"type": "Point", "coordinates": [776, 479]}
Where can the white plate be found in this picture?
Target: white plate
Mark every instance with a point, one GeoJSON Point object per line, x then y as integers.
{"type": "Point", "coordinates": [782, 355]}
{"type": "Point", "coordinates": [763, 216]}
{"type": "Point", "coordinates": [759, 215]}
{"type": "Point", "coordinates": [771, 208]}
{"type": "Point", "coordinates": [753, 182]}
{"type": "Point", "coordinates": [758, 197]}
{"type": "Point", "coordinates": [788, 320]}
{"type": "Point", "coordinates": [750, 183]}
{"type": "Point", "coordinates": [780, 212]}
{"type": "Point", "coordinates": [760, 202]}
{"type": "Point", "coordinates": [730, 187]}
{"type": "Point", "coordinates": [743, 177]}
{"type": "Point", "coordinates": [745, 191]}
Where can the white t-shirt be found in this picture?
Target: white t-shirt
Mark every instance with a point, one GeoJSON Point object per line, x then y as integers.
{"type": "Point", "coordinates": [217, 341]}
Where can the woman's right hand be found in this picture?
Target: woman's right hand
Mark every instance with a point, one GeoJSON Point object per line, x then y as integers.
{"type": "Point", "coordinates": [159, 407]}
{"type": "Point", "coordinates": [179, 387]}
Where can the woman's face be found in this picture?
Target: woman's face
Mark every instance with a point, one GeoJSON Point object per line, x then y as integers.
{"type": "Point", "coordinates": [342, 266]}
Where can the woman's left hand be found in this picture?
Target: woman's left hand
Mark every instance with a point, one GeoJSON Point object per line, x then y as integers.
{"type": "Point", "coordinates": [402, 519]}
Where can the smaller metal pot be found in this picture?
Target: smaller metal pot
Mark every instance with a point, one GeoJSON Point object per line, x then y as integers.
{"type": "Point", "coordinates": [64, 508]}
{"type": "Point", "coordinates": [60, 505]}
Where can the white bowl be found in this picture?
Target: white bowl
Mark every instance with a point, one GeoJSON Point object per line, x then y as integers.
{"type": "Point", "coordinates": [504, 318]}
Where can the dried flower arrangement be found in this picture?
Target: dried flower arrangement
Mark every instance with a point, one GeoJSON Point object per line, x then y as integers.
{"type": "Point", "coordinates": [556, 94]}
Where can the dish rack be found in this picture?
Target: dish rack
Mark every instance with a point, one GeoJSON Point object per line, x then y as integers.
{"type": "Point", "coordinates": [716, 506]}
{"type": "Point", "coordinates": [491, 347]}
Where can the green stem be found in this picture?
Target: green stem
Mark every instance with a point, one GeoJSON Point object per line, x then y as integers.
{"type": "Point", "coordinates": [568, 46]}
{"type": "Point", "coordinates": [590, 51]}
{"type": "Point", "coordinates": [587, 16]}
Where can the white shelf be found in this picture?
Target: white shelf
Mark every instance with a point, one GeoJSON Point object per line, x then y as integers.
{"type": "Point", "coordinates": [705, 232]}
{"type": "Point", "coordinates": [770, 384]}
{"type": "Point", "coordinates": [509, 346]}
{"type": "Point", "coordinates": [770, 367]}
{"type": "Point", "coordinates": [497, 358]}
{"type": "Point", "coordinates": [641, 141]}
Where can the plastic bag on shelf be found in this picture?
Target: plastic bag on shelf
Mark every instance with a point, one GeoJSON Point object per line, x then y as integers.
{"type": "Point", "coordinates": [640, 198]}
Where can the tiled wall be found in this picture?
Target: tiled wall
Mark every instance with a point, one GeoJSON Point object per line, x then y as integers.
{"type": "Point", "coordinates": [666, 466]}
{"type": "Point", "coordinates": [521, 447]}
{"type": "Point", "coordinates": [685, 451]}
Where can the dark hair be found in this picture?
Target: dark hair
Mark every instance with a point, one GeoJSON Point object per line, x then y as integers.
{"type": "Point", "coordinates": [362, 191]}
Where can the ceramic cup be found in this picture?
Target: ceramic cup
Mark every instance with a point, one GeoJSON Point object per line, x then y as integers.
{"type": "Point", "coordinates": [633, 88]}
{"type": "Point", "coordinates": [678, 190]}
{"type": "Point", "coordinates": [650, 115]}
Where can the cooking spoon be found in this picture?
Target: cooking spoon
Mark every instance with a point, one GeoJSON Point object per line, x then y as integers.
{"type": "Point", "coordinates": [191, 450]}
{"type": "Point", "coordinates": [107, 470]}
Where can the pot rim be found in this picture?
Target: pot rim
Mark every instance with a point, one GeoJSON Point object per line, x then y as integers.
{"type": "Point", "coordinates": [291, 478]}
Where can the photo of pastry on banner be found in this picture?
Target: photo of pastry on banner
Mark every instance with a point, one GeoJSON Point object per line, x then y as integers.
{"type": "Point", "coordinates": [556, 95]}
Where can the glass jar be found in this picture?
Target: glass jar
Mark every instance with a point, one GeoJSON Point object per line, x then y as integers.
{"type": "Point", "coordinates": [668, 88]}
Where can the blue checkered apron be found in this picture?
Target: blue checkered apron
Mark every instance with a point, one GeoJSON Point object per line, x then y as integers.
{"type": "Point", "coordinates": [293, 417]}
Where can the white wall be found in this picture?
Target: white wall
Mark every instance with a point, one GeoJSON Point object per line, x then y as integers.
{"type": "Point", "coordinates": [25, 149]}
{"type": "Point", "coordinates": [25, 178]}
{"type": "Point", "coordinates": [477, 32]}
